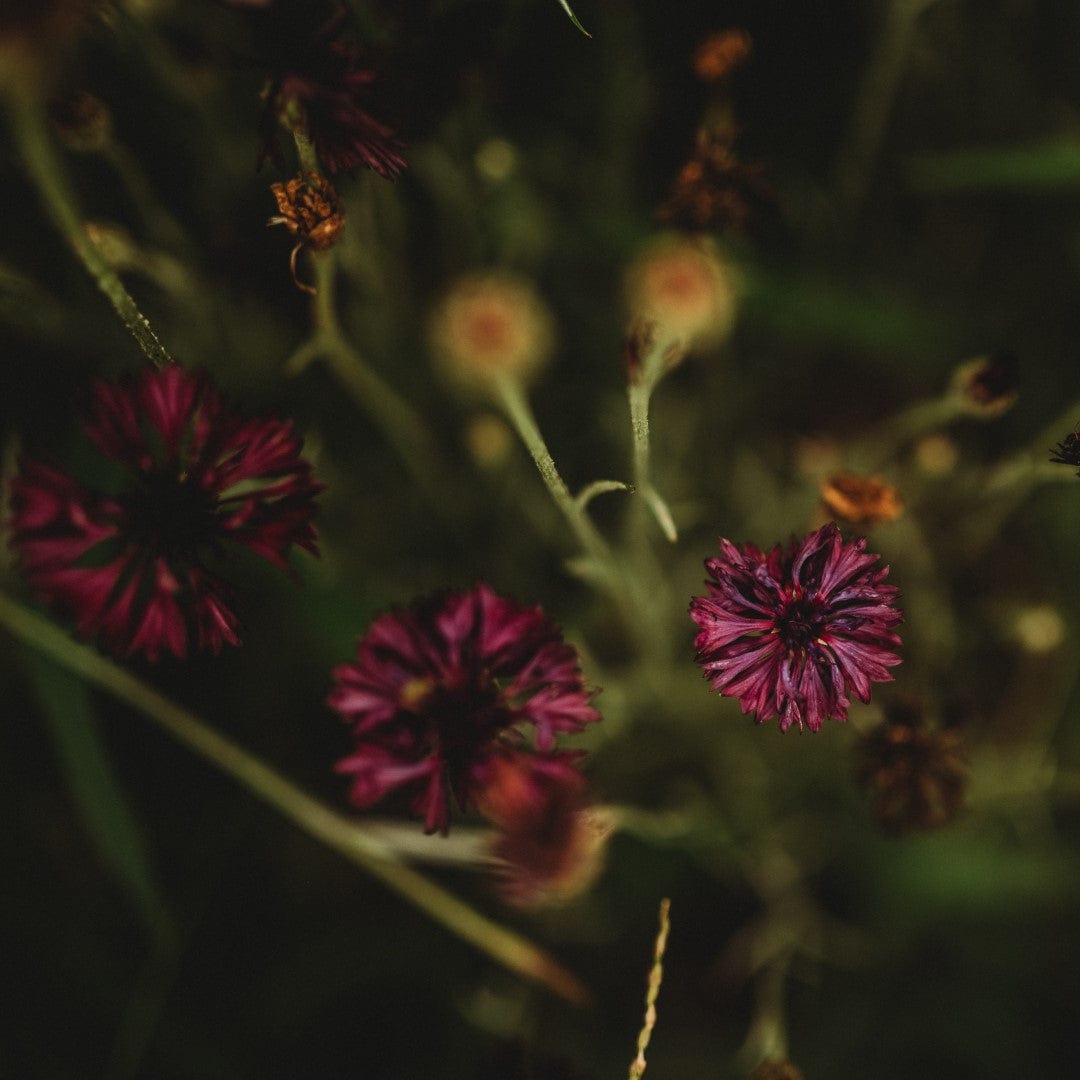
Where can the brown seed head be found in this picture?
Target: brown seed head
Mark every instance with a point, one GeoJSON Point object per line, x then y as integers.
{"type": "Point", "coordinates": [915, 776]}
{"type": "Point", "coordinates": [861, 500]}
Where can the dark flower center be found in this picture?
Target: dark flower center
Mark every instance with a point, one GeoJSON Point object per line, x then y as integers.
{"type": "Point", "coordinates": [799, 623]}
{"type": "Point", "coordinates": [172, 515]}
{"type": "Point", "coordinates": [465, 719]}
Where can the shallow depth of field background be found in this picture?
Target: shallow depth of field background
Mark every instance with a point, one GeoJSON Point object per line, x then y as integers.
{"type": "Point", "coordinates": [952, 955]}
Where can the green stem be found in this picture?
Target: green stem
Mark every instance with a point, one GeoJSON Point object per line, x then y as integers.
{"type": "Point", "coordinates": [30, 128]}
{"type": "Point", "coordinates": [640, 394]}
{"type": "Point", "coordinates": [511, 396]}
{"type": "Point", "coordinates": [325, 825]}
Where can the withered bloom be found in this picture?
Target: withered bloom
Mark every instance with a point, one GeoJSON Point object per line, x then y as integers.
{"type": "Point", "coordinates": [721, 53]}
{"type": "Point", "coordinates": [861, 500]}
{"type": "Point", "coordinates": [548, 845]}
{"type": "Point", "coordinates": [319, 82]}
{"type": "Point", "coordinates": [715, 189]}
{"type": "Point", "coordinates": [915, 775]}
{"type": "Point", "coordinates": [987, 385]}
{"type": "Point", "coordinates": [774, 1069]}
{"type": "Point", "coordinates": [310, 209]}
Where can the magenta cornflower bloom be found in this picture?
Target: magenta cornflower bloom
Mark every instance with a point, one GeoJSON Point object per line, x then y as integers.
{"type": "Point", "coordinates": [791, 633]}
{"type": "Point", "coordinates": [442, 694]}
{"type": "Point", "coordinates": [325, 81]}
{"type": "Point", "coordinates": [130, 566]}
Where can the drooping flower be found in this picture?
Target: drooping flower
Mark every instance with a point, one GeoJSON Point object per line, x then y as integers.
{"type": "Point", "coordinates": [132, 566]}
{"type": "Point", "coordinates": [792, 633]}
{"type": "Point", "coordinates": [441, 696]}
{"type": "Point", "coordinates": [318, 80]}
{"type": "Point", "coordinates": [309, 207]}
{"type": "Point", "coordinates": [548, 844]}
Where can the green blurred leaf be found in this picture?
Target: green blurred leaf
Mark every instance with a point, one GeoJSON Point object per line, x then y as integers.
{"type": "Point", "coordinates": [72, 722]}
{"type": "Point", "coordinates": [1052, 166]}
{"type": "Point", "coordinates": [573, 18]}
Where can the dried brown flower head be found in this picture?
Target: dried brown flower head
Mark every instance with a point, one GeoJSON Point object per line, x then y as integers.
{"type": "Point", "coordinates": [715, 189]}
{"type": "Point", "coordinates": [310, 209]}
{"type": "Point", "coordinates": [987, 385]}
{"type": "Point", "coordinates": [721, 53]}
{"type": "Point", "coordinates": [861, 500]}
{"type": "Point", "coordinates": [915, 775]}
{"type": "Point", "coordinates": [775, 1069]}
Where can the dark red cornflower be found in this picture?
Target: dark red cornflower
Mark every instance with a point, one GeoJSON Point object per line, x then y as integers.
{"type": "Point", "coordinates": [1067, 452]}
{"type": "Point", "coordinates": [324, 82]}
{"type": "Point", "coordinates": [791, 633]}
{"type": "Point", "coordinates": [130, 567]}
{"type": "Point", "coordinates": [440, 693]}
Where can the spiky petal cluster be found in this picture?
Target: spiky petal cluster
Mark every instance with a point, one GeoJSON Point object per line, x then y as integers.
{"type": "Point", "coordinates": [793, 633]}
{"type": "Point", "coordinates": [441, 696]}
{"type": "Point", "coordinates": [130, 568]}
{"type": "Point", "coordinates": [325, 82]}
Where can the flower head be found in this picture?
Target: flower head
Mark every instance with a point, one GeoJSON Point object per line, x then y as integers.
{"type": "Point", "coordinates": [792, 633]}
{"type": "Point", "coordinates": [441, 692]}
{"type": "Point", "coordinates": [988, 385]}
{"type": "Point", "coordinates": [1067, 452]}
{"type": "Point", "coordinates": [490, 325]}
{"type": "Point", "coordinates": [131, 566]}
{"type": "Point", "coordinates": [862, 500]}
{"type": "Point", "coordinates": [915, 775]}
{"type": "Point", "coordinates": [308, 206]}
{"type": "Point", "coordinates": [323, 85]}
{"type": "Point", "coordinates": [682, 286]}
{"type": "Point", "coordinates": [548, 845]}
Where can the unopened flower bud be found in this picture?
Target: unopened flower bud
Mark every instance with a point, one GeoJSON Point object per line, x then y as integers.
{"type": "Point", "coordinates": [861, 500]}
{"type": "Point", "coordinates": [490, 326]}
{"type": "Point", "coordinates": [682, 287]}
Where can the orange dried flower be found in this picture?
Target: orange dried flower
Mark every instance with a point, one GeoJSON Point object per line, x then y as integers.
{"type": "Point", "coordinates": [776, 1070]}
{"type": "Point", "coordinates": [310, 209]}
{"type": "Point", "coordinates": [861, 500]}
{"type": "Point", "coordinates": [721, 53]}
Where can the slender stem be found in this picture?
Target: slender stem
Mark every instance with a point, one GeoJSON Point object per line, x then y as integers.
{"type": "Point", "coordinates": [30, 128]}
{"type": "Point", "coordinates": [319, 821]}
{"type": "Point", "coordinates": [874, 103]}
{"type": "Point", "coordinates": [640, 394]}
{"type": "Point", "coordinates": [511, 396]}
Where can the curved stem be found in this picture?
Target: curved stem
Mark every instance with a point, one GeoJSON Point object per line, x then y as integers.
{"type": "Point", "coordinates": [30, 128]}
{"type": "Point", "coordinates": [325, 825]}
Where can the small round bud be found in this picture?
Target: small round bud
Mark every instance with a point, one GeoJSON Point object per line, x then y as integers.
{"type": "Point", "coordinates": [683, 288]}
{"type": "Point", "coordinates": [488, 326]}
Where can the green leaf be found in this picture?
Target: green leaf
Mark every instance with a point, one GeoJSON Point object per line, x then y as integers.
{"type": "Point", "coordinates": [1043, 167]}
{"type": "Point", "coordinates": [69, 713]}
{"type": "Point", "coordinates": [573, 18]}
